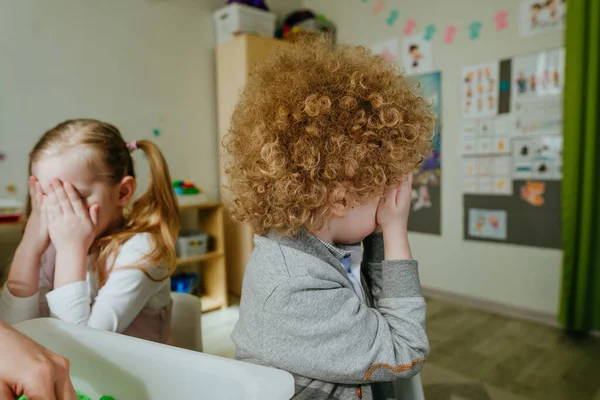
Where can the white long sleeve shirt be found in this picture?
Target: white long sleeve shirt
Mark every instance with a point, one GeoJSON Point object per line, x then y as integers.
{"type": "Point", "coordinates": [112, 308]}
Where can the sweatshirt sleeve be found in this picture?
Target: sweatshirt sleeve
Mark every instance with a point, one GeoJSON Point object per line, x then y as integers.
{"type": "Point", "coordinates": [307, 318]}
{"type": "Point", "coordinates": [119, 301]}
{"type": "Point", "coordinates": [373, 254]}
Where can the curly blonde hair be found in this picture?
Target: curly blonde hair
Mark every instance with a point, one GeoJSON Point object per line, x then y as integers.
{"type": "Point", "coordinates": [318, 123]}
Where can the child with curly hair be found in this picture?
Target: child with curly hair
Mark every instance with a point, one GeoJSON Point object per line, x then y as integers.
{"type": "Point", "coordinates": [322, 145]}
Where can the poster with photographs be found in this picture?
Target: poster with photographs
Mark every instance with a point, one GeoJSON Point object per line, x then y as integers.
{"type": "Point", "coordinates": [536, 95]}
{"type": "Point", "coordinates": [417, 55]}
{"type": "Point", "coordinates": [479, 90]}
{"type": "Point", "coordinates": [425, 216]}
{"type": "Point", "coordinates": [386, 49]}
{"type": "Point", "coordinates": [541, 16]}
{"type": "Point", "coordinates": [512, 161]}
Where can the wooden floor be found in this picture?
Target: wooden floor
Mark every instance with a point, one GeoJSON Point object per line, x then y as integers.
{"type": "Point", "coordinates": [476, 355]}
{"type": "Point", "coordinates": [522, 359]}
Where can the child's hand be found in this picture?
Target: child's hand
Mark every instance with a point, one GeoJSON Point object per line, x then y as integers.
{"type": "Point", "coordinates": [392, 217]}
{"type": "Point", "coordinates": [36, 231]}
{"type": "Point", "coordinates": [71, 226]}
{"type": "Point", "coordinates": [392, 213]}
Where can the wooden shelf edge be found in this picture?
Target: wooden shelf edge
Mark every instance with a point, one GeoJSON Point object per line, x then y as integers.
{"type": "Point", "coordinates": [198, 259]}
{"type": "Point", "coordinates": [199, 206]}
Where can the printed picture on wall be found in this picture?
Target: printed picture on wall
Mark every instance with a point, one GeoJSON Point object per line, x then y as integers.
{"type": "Point", "coordinates": [417, 55]}
{"type": "Point", "coordinates": [541, 16]}
{"type": "Point", "coordinates": [430, 87]}
{"type": "Point", "coordinates": [536, 97]}
{"type": "Point", "coordinates": [386, 49]}
{"type": "Point", "coordinates": [538, 157]}
{"type": "Point", "coordinates": [426, 195]}
{"type": "Point", "coordinates": [487, 224]}
{"type": "Point", "coordinates": [479, 90]}
{"type": "Point", "coordinates": [533, 193]}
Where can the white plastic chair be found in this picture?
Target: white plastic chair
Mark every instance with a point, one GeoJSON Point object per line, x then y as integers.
{"type": "Point", "coordinates": [409, 389]}
{"type": "Point", "coordinates": [186, 321]}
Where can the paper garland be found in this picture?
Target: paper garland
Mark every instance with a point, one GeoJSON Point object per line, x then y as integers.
{"type": "Point", "coordinates": [410, 25]}
{"type": "Point", "coordinates": [393, 17]}
{"type": "Point", "coordinates": [501, 19]}
{"type": "Point", "coordinates": [429, 31]}
{"type": "Point", "coordinates": [449, 34]}
{"type": "Point", "coordinates": [474, 28]}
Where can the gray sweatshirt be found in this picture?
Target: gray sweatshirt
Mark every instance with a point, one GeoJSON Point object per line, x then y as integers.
{"type": "Point", "coordinates": [300, 313]}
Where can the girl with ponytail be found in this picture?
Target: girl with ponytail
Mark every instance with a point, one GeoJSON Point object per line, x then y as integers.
{"type": "Point", "coordinates": [87, 255]}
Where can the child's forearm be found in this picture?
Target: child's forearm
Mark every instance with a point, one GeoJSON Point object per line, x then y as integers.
{"type": "Point", "coordinates": [396, 245]}
{"type": "Point", "coordinates": [24, 275]}
{"type": "Point", "coordinates": [70, 268]}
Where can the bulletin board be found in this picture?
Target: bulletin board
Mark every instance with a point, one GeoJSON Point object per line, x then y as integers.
{"type": "Point", "coordinates": [425, 216]}
{"type": "Point", "coordinates": [450, 36]}
{"type": "Point", "coordinates": [512, 149]}
{"type": "Point", "coordinates": [510, 119]}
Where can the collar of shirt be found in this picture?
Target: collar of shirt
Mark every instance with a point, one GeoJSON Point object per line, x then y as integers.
{"type": "Point", "coordinates": [336, 251]}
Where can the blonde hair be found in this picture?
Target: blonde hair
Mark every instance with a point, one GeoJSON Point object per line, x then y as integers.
{"type": "Point", "coordinates": [155, 212]}
{"type": "Point", "coordinates": [318, 121]}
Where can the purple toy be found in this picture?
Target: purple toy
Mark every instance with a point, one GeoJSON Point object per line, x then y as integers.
{"type": "Point", "coordinates": [252, 3]}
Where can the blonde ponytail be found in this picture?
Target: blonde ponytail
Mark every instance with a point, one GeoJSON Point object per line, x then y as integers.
{"type": "Point", "coordinates": [155, 212]}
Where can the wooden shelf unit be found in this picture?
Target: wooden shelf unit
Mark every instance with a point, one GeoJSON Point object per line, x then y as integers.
{"type": "Point", "coordinates": [212, 270]}
{"type": "Point", "coordinates": [235, 61]}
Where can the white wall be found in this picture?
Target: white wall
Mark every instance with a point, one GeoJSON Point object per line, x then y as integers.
{"type": "Point", "coordinates": [140, 64]}
{"type": "Point", "coordinates": [283, 8]}
{"type": "Point", "coordinates": [518, 276]}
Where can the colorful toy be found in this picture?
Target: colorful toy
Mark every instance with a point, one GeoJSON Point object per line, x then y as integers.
{"type": "Point", "coordinates": [80, 396]}
{"type": "Point", "coordinates": [306, 20]}
{"type": "Point", "coordinates": [185, 188]}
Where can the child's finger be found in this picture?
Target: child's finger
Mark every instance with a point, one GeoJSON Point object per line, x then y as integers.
{"type": "Point", "coordinates": [34, 191]}
{"type": "Point", "coordinates": [53, 208]}
{"type": "Point", "coordinates": [44, 211]}
{"type": "Point", "coordinates": [31, 186]}
{"type": "Point", "coordinates": [94, 213]}
{"type": "Point", "coordinates": [61, 195]}
{"type": "Point", "coordinates": [390, 196]}
{"type": "Point", "coordinates": [39, 195]}
{"type": "Point", "coordinates": [75, 200]}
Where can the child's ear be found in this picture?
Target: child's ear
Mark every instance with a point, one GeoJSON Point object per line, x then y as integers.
{"type": "Point", "coordinates": [340, 206]}
{"type": "Point", "coordinates": [126, 190]}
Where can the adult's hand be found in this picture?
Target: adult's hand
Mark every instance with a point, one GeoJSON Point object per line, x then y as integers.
{"type": "Point", "coordinates": [27, 368]}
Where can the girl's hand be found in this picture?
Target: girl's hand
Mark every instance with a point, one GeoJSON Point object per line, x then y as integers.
{"type": "Point", "coordinates": [71, 226]}
{"type": "Point", "coordinates": [36, 236]}
{"type": "Point", "coordinates": [392, 213]}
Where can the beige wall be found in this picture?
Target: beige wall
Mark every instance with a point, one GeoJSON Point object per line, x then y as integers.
{"type": "Point", "coordinates": [139, 64]}
{"type": "Point", "coordinates": [518, 276]}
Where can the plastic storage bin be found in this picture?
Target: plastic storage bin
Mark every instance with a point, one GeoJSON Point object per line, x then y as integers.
{"type": "Point", "coordinates": [104, 363]}
{"type": "Point", "coordinates": [191, 244]}
{"type": "Point", "coordinates": [239, 18]}
{"type": "Point", "coordinates": [184, 283]}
